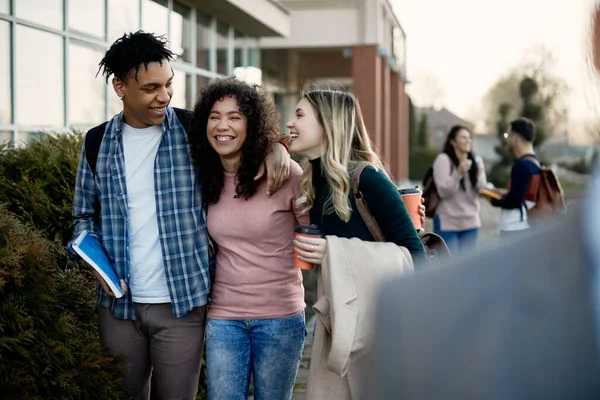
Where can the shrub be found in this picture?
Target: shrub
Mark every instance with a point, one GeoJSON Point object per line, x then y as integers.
{"type": "Point", "coordinates": [499, 175]}
{"type": "Point", "coordinates": [37, 182]}
{"type": "Point", "coordinates": [36, 187]}
{"type": "Point", "coordinates": [420, 160]}
{"type": "Point", "coordinates": [581, 166]}
{"type": "Point", "coordinates": [49, 347]}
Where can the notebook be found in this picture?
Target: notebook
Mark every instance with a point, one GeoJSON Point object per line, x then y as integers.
{"type": "Point", "coordinates": [93, 253]}
{"type": "Point", "coordinates": [491, 194]}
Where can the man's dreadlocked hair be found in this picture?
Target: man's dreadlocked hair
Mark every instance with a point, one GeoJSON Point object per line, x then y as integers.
{"type": "Point", "coordinates": [132, 50]}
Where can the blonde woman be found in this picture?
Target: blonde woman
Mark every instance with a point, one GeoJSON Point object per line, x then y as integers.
{"type": "Point", "coordinates": [329, 130]}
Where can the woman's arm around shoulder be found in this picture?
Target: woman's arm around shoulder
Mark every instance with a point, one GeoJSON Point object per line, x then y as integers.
{"type": "Point", "coordinates": [388, 209]}
{"type": "Point", "coordinates": [295, 181]}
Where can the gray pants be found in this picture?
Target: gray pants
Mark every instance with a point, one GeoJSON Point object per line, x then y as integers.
{"type": "Point", "coordinates": [159, 345]}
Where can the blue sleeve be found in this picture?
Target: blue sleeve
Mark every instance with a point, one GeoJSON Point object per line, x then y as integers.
{"type": "Point", "coordinates": [388, 209]}
{"type": "Point", "coordinates": [519, 180]}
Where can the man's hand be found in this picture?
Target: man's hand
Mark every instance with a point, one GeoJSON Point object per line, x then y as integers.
{"type": "Point", "coordinates": [105, 286]}
{"type": "Point", "coordinates": [278, 168]}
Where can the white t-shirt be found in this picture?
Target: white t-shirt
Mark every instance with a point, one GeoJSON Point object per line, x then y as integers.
{"type": "Point", "coordinates": [148, 281]}
{"type": "Point", "coordinates": [515, 219]}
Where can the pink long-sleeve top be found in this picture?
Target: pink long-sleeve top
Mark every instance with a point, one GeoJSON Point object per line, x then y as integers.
{"type": "Point", "coordinates": [255, 276]}
{"type": "Point", "coordinates": [458, 209]}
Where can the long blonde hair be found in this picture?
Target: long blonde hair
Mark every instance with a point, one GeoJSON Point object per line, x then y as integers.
{"type": "Point", "coordinates": [347, 144]}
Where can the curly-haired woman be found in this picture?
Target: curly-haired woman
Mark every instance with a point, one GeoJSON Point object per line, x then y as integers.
{"type": "Point", "coordinates": [256, 316]}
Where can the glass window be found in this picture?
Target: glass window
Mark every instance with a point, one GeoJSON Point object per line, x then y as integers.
{"type": "Point", "coordinates": [87, 16]}
{"type": "Point", "coordinates": [86, 92]}
{"type": "Point", "coordinates": [253, 53]}
{"type": "Point", "coordinates": [47, 12]}
{"type": "Point", "coordinates": [5, 100]}
{"type": "Point", "coordinates": [155, 17]}
{"type": "Point", "coordinates": [238, 52]}
{"type": "Point", "coordinates": [24, 137]}
{"type": "Point", "coordinates": [123, 17]}
{"type": "Point", "coordinates": [203, 40]}
{"type": "Point", "coordinates": [181, 90]}
{"type": "Point", "coordinates": [4, 6]}
{"type": "Point", "coordinates": [201, 83]}
{"type": "Point", "coordinates": [5, 137]}
{"type": "Point", "coordinates": [222, 48]}
{"type": "Point", "coordinates": [39, 100]}
{"type": "Point", "coordinates": [181, 31]}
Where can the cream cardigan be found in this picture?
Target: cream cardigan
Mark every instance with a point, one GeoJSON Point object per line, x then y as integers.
{"type": "Point", "coordinates": [347, 290]}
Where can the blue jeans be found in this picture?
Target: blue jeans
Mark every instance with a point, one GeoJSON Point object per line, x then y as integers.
{"type": "Point", "coordinates": [269, 349]}
{"type": "Point", "coordinates": [457, 241]}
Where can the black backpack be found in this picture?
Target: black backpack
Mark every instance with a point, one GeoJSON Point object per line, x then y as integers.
{"type": "Point", "coordinates": [93, 139]}
{"type": "Point", "coordinates": [430, 194]}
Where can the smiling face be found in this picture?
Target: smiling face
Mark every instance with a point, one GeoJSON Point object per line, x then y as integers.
{"type": "Point", "coordinates": [226, 130]}
{"type": "Point", "coordinates": [307, 133]}
{"type": "Point", "coordinates": [462, 142]}
{"type": "Point", "coordinates": [145, 99]}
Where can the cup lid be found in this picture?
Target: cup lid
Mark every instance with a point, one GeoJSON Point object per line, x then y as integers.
{"type": "Point", "coordinates": [415, 190]}
{"type": "Point", "coordinates": [312, 230]}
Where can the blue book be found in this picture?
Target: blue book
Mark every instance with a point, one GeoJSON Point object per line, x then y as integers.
{"type": "Point", "coordinates": [93, 253]}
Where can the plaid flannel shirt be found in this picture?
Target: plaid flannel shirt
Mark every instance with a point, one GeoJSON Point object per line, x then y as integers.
{"type": "Point", "coordinates": [181, 217]}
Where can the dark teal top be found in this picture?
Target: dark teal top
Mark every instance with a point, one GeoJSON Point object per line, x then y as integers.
{"type": "Point", "coordinates": [384, 202]}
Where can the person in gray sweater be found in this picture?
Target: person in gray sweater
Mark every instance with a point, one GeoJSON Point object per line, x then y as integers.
{"type": "Point", "coordinates": [459, 175]}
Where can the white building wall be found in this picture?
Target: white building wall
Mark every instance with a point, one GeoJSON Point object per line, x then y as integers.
{"type": "Point", "coordinates": [316, 28]}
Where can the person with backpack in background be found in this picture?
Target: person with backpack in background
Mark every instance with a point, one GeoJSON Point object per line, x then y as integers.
{"type": "Point", "coordinates": [137, 195]}
{"type": "Point", "coordinates": [516, 320]}
{"type": "Point", "coordinates": [458, 176]}
{"type": "Point", "coordinates": [522, 199]}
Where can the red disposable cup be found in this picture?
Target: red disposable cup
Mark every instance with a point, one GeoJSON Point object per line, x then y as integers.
{"type": "Point", "coordinates": [412, 199]}
{"type": "Point", "coordinates": [306, 231]}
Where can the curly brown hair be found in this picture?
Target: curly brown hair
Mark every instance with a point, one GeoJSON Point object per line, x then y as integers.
{"type": "Point", "coordinates": [261, 132]}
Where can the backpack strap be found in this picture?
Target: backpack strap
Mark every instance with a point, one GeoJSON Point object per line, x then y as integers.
{"type": "Point", "coordinates": [533, 160]}
{"type": "Point", "coordinates": [92, 142]}
{"type": "Point", "coordinates": [185, 117]}
{"type": "Point", "coordinates": [362, 207]}
{"type": "Point", "coordinates": [531, 193]}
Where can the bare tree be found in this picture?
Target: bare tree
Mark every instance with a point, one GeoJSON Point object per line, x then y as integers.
{"type": "Point", "coordinates": [536, 66]}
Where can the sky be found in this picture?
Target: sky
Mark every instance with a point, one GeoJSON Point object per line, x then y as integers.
{"type": "Point", "coordinates": [457, 49]}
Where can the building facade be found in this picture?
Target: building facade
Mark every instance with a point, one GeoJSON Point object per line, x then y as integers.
{"type": "Point", "coordinates": [50, 50]}
{"type": "Point", "coordinates": [358, 43]}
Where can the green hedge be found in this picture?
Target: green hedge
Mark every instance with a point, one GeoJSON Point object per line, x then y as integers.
{"type": "Point", "coordinates": [49, 346]}
{"type": "Point", "coordinates": [49, 342]}
{"type": "Point", "coordinates": [499, 175]}
{"type": "Point", "coordinates": [36, 183]}
{"type": "Point", "coordinates": [421, 159]}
